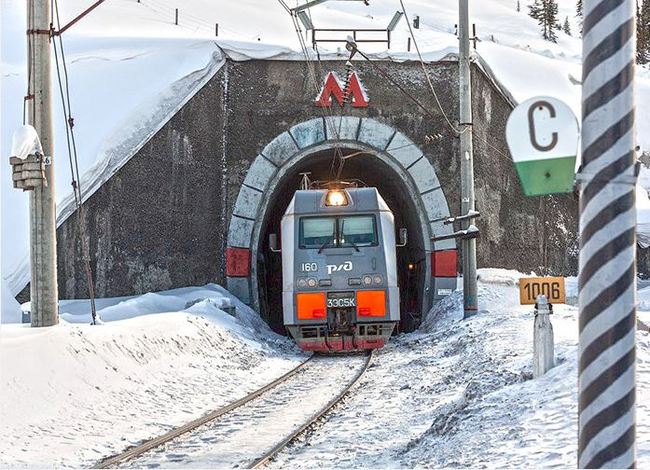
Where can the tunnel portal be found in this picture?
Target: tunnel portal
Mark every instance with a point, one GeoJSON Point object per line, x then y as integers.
{"type": "Point", "coordinates": [370, 171]}
{"type": "Point", "coordinates": [378, 156]}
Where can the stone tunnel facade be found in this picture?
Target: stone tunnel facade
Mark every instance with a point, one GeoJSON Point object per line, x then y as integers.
{"type": "Point", "coordinates": [198, 189]}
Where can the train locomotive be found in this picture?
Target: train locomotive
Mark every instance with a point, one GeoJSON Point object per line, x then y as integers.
{"type": "Point", "coordinates": [339, 269]}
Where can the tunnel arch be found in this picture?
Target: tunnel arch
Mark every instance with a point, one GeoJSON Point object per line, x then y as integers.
{"type": "Point", "coordinates": [268, 172]}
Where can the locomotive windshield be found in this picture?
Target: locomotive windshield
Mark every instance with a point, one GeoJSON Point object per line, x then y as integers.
{"type": "Point", "coordinates": [327, 232]}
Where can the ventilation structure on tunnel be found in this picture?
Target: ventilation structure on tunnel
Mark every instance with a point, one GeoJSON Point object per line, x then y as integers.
{"type": "Point", "coordinates": [383, 158]}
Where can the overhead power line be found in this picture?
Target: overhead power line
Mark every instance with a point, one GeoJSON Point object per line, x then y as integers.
{"type": "Point", "coordinates": [73, 159]}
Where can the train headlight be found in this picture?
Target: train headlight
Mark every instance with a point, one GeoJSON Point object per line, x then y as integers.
{"type": "Point", "coordinates": [367, 280]}
{"type": "Point", "coordinates": [302, 282]}
{"type": "Point", "coordinates": [336, 197]}
{"type": "Point", "coordinates": [311, 282]}
{"type": "Point", "coordinates": [377, 279]}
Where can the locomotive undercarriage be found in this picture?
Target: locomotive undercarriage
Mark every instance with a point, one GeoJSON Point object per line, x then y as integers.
{"type": "Point", "coordinates": [341, 334]}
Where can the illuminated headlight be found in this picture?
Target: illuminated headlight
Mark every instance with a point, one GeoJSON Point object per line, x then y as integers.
{"type": "Point", "coordinates": [302, 282]}
{"type": "Point", "coordinates": [311, 282]}
{"type": "Point", "coordinates": [377, 279]}
{"type": "Point", "coordinates": [367, 280]}
{"type": "Point", "coordinates": [336, 197]}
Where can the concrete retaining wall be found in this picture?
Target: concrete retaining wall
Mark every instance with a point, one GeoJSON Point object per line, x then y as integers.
{"type": "Point", "coordinates": [163, 219]}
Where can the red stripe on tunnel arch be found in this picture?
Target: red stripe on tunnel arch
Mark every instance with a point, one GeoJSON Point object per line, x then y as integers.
{"type": "Point", "coordinates": [443, 263]}
{"type": "Point", "coordinates": [238, 262]}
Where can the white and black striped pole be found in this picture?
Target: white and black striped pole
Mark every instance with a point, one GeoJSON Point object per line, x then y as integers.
{"type": "Point", "coordinates": [606, 383]}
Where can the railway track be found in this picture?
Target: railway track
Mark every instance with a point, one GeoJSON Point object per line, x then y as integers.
{"type": "Point", "coordinates": [252, 430]}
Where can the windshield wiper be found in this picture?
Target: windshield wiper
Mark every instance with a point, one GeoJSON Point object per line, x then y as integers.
{"type": "Point", "coordinates": [343, 234]}
{"type": "Point", "coordinates": [327, 242]}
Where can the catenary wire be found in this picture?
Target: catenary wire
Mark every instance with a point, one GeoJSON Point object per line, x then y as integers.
{"type": "Point", "coordinates": [73, 156]}
{"type": "Point", "coordinates": [327, 112]}
{"type": "Point", "coordinates": [426, 73]}
{"type": "Point", "coordinates": [435, 95]}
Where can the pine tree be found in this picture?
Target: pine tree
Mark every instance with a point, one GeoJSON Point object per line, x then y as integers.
{"type": "Point", "coordinates": [518, 6]}
{"type": "Point", "coordinates": [535, 10]}
{"type": "Point", "coordinates": [550, 16]}
{"type": "Point", "coordinates": [545, 12]}
{"type": "Point", "coordinates": [579, 15]}
{"type": "Point", "coordinates": [566, 27]}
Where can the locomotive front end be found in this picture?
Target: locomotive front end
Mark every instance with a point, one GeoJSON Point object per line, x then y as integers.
{"type": "Point", "coordinates": [339, 270]}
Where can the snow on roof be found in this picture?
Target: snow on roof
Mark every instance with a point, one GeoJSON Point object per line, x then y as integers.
{"type": "Point", "coordinates": [131, 68]}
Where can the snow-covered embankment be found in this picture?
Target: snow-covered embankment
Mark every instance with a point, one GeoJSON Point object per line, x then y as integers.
{"type": "Point", "coordinates": [75, 393]}
{"type": "Point", "coordinates": [460, 393]}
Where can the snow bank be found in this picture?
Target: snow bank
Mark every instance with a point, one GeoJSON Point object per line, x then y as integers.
{"type": "Point", "coordinates": [123, 91]}
{"type": "Point", "coordinates": [460, 394]}
{"type": "Point", "coordinates": [508, 277]}
{"type": "Point", "coordinates": [643, 304]}
{"type": "Point", "coordinates": [75, 393]}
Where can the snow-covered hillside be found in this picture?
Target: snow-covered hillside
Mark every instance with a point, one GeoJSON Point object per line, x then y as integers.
{"type": "Point", "coordinates": [131, 68]}
{"type": "Point", "coordinates": [74, 393]}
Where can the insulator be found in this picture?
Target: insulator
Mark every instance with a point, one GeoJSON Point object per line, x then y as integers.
{"type": "Point", "coordinates": [348, 79]}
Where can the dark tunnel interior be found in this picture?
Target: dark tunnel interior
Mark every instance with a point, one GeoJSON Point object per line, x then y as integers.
{"type": "Point", "coordinates": [372, 171]}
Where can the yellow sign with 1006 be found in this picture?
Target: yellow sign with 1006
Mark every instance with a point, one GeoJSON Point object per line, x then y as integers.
{"type": "Point", "coordinates": [551, 287]}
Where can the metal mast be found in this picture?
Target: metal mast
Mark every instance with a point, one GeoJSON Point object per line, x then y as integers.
{"type": "Point", "coordinates": [468, 246]}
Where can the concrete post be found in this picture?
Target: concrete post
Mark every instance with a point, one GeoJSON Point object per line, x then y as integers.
{"type": "Point", "coordinates": [468, 246]}
{"type": "Point", "coordinates": [44, 294]}
{"type": "Point", "coordinates": [543, 341]}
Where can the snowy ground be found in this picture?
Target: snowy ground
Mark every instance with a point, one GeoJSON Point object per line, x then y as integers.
{"type": "Point", "coordinates": [455, 393]}
{"type": "Point", "coordinates": [227, 443]}
{"type": "Point", "coordinates": [460, 394]}
{"type": "Point", "coordinates": [74, 393]}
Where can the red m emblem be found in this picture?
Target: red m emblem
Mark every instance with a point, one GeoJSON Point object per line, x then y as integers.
{"type": "Point", "coordinates": [332, 86]}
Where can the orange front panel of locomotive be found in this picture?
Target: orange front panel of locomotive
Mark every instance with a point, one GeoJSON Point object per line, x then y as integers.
{"type": "Point", "coordinates": [311, 306]}
{"type": "Point", "coordinates": [371, 303]}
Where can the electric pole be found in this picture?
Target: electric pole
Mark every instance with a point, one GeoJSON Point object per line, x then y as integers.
{"type": "Point", "coordinates": [44, 294]}
{"type": "Point", "coordinates": [607, 271]}
{"type": "Point", "coordinates": [468, 246]}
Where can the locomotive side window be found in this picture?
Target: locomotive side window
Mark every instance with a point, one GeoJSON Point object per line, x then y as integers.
{"type": "Point", "coordinates": [331, 232]}
{"type": "Point", "coordinates": [317, 231]}
{"type": "Point", "coordinates": [357, 230]}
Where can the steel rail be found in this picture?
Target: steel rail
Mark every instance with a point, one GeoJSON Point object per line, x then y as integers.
{"type": "Point", "coordinates": [284, 443]}
{"type": "Point", "coordinates": [158, 441]}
